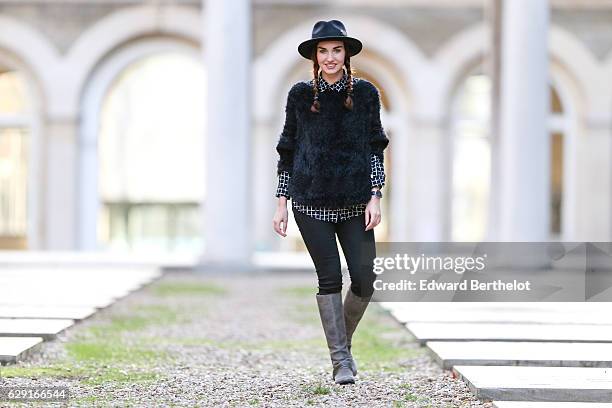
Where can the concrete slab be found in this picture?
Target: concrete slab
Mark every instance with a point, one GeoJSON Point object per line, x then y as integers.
{"type": "Point", "coordinates": [553, 313]}
{"type": "Point", "coordinates": [87, 277]}
{"type": "Point", "coordinates": [95, 258]}
{"type": "Point", "coordinates": [41, 300]}
{"type": "Point", "coordinates": [575, 384]}
{"type": "Point", "coordinates": [58, 301]}
{"type": "Point", "coordinates": [46, 312]}
{"type": "Point", "coordinates": [14, 349]}
{"type": "Point", "coordinates": [425, 332]}
{"type": "Point", "coordinates": [525, 317]}
{"type": "Point", "coordinates": [46, 328]}
{"type": "Point", "coordinates": [51, 275]}
{"type": "Point", "coordinates": [67, 288]}
{"type": "Point", "coordinates": [71, 287]}
{"type": "Point", "coordinates": [531, 404]}
{"type": "Point", "coordinates": [64, 294]}
{"type": "Point", "coordinates": [498, 353]}
{"type": "Point", "coordinates": [34, 282]}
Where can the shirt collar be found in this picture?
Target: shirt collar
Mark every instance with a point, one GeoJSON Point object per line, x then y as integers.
{"type": "Point", "coordinates": [337, 86]}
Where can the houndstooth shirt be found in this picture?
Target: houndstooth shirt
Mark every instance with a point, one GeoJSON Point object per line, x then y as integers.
{"type": "Point", "coordinates": [377, 177]}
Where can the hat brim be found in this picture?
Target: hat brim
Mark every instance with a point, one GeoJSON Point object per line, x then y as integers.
{"type": "Point", "coordinates": [353, 45]}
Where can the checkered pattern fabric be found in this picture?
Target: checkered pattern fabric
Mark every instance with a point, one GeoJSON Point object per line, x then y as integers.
{"type": "Point", "coordinates": [378, 172]}
{"type": "Point", "coordinates": [283, 184]}
{"type": "Point", "coordinates": [337, 86]}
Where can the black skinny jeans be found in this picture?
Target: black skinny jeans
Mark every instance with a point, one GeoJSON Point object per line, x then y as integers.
{"type": "Point", "coordinates": [358, 246]}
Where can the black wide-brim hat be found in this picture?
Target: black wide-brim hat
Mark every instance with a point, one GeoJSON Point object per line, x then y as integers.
{"type": "Point", "coordinates": [329, 30]}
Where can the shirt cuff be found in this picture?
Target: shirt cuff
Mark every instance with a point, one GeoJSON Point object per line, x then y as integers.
{"type": "Point", "coordinates": [283, 184]}
{"type": "Point", "coordinates": [377, 175]}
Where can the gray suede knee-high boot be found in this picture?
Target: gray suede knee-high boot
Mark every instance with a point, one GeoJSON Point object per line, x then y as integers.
{"type": "Point", "coordinates": [332, 318]}
{"type": "Point", "coordinates": [354, 308]}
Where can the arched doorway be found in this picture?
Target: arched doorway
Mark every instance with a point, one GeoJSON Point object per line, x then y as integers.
{"type": "Point", "coordinates": [471, 158]}
{"type": "Point", "coordinates": [470, 152]}
{"type": "Point", "coordinates": [151, 156]}
{"type": "Point", "coordinates": [15, 152]}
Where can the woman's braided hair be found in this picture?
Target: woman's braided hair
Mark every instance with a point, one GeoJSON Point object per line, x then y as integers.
{"type": "Point", "coordinates": [348, 102]}
{"type": "Point", "coordinates": [316, 106]}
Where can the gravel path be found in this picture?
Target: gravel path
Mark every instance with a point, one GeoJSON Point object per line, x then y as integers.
{"type": "Point", "coordinates": [233, 341]}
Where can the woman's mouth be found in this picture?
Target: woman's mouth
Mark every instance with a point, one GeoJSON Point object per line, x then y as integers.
{"type": "Point", "coordinates": [331, 66]}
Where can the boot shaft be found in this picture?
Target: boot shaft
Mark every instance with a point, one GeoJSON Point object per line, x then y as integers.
{"type": "Point", "coordinates": [353, 309]}
{"type": "Point", "coordinates": [332, 319]}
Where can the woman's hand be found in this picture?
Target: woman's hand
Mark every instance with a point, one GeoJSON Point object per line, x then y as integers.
{"type": "Point", "coordinates": [280, 218]}
{"type": "Point", "coordinates": [372, 213]}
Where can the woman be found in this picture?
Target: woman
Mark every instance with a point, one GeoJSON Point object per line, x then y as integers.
{"type": "Point", "coordinates": [331, 165]}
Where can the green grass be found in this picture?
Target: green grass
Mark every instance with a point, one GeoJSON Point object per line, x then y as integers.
{"type": "Point", "coordinates": [113, 348]}
{"type": "Point", "coordinates": [299, 291]}
{"type": "Point", "coordinates": [317, 389]}
{"type": "Point", "coordinates": [95, 363]}
{"type": "Point", "coordinates": [166, 289]}
{"type": "Point", "coordinates": [89, 400]}
{"type": "Point", "coordinates": [255, 345]}
{"type": "Point", "coordinates": [107, 342]}
{"type": "Point", "coordinates": [52, 370]}
{"type": "Point", "coordinates": [139, 318]}
{"type": "Point", "coordinates": [88, 374]}
{"type": "Point", "coordinates": [376, 345]}
{"type": "Point", "coordinates": [102, 353]}
{"type": "Point", "coordinates": [380, 346]}
{"type": "Point", "coordinates": [119, 376]}
{"type": "Point", "coordinates": [304, 313]}
{"type": "Point", "coordinates": [410, 397]}
{"type": "Point", "coordinates": [182, 341]}
{"type": "Point", "coordinates": [294, 344]}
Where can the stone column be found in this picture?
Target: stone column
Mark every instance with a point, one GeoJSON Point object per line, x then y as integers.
{"type": "Point", "coordinates": [227, 53]}
{"type": "Point", "coordinates": [263, 179]}
{"type": "Point", "coordinates": [429, 214]}
{"type": "Point", "coordinates": [524, 146]}
{"type": "Point", "coordinates": [400, 201]}
{"type": "Point", "coordinates": [60, 188]}
{"type": "Point", "coordinates": [591, 218]}
{"type": "Point", "coordinates": [89, 200]}
{"type": "Point", "coordinates": [493, 69]}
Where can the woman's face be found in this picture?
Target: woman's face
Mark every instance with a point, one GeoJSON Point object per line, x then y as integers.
{"type": "Point", "coordinates": [330, 56]}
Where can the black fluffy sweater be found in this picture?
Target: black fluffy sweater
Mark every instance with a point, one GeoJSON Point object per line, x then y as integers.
{"type": "Point", "coordinates": [328, 153]}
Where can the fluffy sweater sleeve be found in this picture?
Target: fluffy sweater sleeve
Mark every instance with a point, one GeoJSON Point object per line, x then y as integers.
{"type": "Point", "coordinates": [286, 142]}
{"type": "Point", "coordinates": [378, 137]}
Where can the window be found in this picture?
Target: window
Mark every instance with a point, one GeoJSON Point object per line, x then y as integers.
{"type": "Point", "coordinates": [151, 146]}
{"type": "Point", "coordinates": [14, 159]}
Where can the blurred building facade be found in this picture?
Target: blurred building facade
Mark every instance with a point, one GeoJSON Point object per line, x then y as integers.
{"type": "Point", "coordinates": [84, 165]}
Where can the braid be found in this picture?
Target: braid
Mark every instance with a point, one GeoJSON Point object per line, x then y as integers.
{"type": "Point", "coordinates": [316, 105]}
{"type": "Point", "coordinates": [348, 102]}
